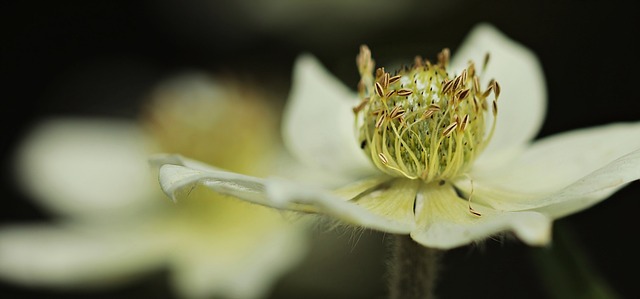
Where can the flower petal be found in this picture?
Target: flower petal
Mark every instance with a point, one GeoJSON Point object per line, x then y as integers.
{"type": "Point", "coordinates": [388, 198]}
{"type": "Point", "coordinates": [77, 255]}
{"type": "Point", "coordinates": [319, 123]}
{"type": "Point", "coordinates": [523, 97]}
{"type": "Point", "coordinates": [177, 181]}
{"type": "Point", "coordinates": [237, 271]}
{"type": "Point", "coordinates": [85, 167]}
{"type": "Point", "coordinates": [444, 221]}
{"type": "Point", "coordinates": [287, 192]}
{"type": "Point", "coordinates": [594, 187]}
{"type": "Point", "coordinates": [562, 163]}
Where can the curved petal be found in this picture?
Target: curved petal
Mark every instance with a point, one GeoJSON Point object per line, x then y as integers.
{"type": "Point", "coordinates": [388, 198]}
{"type": "Point", "coordinates": [86, 166]}
{"type": "Point", "coordinates": [77, 256]}
{"type": "Point", "coordinates": [594, 187]}
{"type": "Point", "coordinates": [560, 163]}
{"type": "Point", "coordinates": [178, 181]}
{"type": "Point", "coordinates": [522, 102]}
{"type": "Point", "coordinates": [553, 163]}
{"type": "Point", "coordinates": [287, 192]}
{"type": "Point", "coordinates": [444, 221]}
{"type": "Point", "coordinates": [287, 166]}
{"type": "Point", "coordinates": [318, 125]}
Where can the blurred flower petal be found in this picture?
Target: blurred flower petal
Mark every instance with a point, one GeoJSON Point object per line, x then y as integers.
{"type": "Point", "coordinates": [86, 167]}
{"type": "Point", "coordinates": [78, 255]}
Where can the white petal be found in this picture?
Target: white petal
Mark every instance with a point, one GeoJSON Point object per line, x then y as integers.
{"type": "Point", "coordinates": [562, 162]}
{"type": "Point", "coordinates": [286, 166]}
{"type": "Point", "coordinates": [594, 187]}
{"type": "Point", "coordinates": [522, 102]}
{"type": "Point", "coordinates": [319, 123]}
{"type": "Point", "coordinates": [553, 163]}
{"type": "Point", "coordinates": [77, 256]}
{"type": "Point", "coordinates": [177, 181]}
{"type": "Point", "coordinates": [444, 221]}
{"type": "Point", "coordinates": [245, 272]}
{"type": "Point", "coordinates": [230, 247]}
{"type": "Point", "coordinates": [86, 166]}
{"type": "Point", "coordinates": [287, 192]}
{"type": "Point", "coordinates": [388, 198]}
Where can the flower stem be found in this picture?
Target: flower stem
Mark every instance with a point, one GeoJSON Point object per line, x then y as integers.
{"type": "Point", "coordinates": [413, 269]}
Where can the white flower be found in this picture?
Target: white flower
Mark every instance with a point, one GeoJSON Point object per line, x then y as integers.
{"type": "Point", "coordinates": [511, 184]}
{"type": "Point", "coordinates": [115, 222]}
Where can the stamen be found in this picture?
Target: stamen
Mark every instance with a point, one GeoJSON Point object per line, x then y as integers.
{"type": "Point", "coordinates": [476, 83]}
{"type": "Point", "coordinates": [379, 90]}
{"type": "Point", "coordinates": [385, 81]}
{"type": "Point", "coordinates": [383, 158]}
{"type": "Point", "coordinates": [361, 105]}
{"type": "Point", "coordinates": [460, 95]}
{"type": "Point", "coordinates": [496, 89]}
{"type": "Point", "coordinates": [422, 123]}
{"type": "Point", "coordinates": [394, 79]}
{"type": "Point", "coordinates": [404, 92]}
{"type": "Point", "coordinates": [389, 94]}
{"type": "Point", "coordinates": [485, 62]}
{"type": "Point", "coordinates": [464, 123]}
{"type": "Point", "coordinates": [449, 129]}
{"type": "Point", "coordinates": [471, 210]}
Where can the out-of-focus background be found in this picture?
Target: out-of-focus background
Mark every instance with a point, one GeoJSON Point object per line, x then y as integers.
{"type": "Point", "coordinates": [101, 58]}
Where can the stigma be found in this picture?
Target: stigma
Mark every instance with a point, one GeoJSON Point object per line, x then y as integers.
{"type": "Point", "coordinates": [421, 122]}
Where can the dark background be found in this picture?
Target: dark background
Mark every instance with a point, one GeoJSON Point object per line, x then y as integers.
{"type": "Point", "coordinates": [99, 58]}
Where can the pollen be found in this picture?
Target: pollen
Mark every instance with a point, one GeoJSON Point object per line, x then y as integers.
{"type": "Point", "coordinates": [422, 122]}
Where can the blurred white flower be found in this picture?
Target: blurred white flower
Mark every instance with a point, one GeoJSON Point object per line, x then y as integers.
{"type": "Point", "coordinates": [115, 222]}
{"type": "Point", "coordinates": [449, 188]}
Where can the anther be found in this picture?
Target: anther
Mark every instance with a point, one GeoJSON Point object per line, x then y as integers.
{"type": "Point", "coordinates": [390, 93]}
{"type": "Point", "coordinates": [385, 80]}
{"type": "Point", "coordinates": [394, 79]}
{"type": "Point", "coordinates": [496, 89]}
{"type": "Point", "coordinates": [380, 120]}
{"type": "Point", "coordinates": [360, 105]}
{"type": "Point", "coordinates": [417, 61]}
{"type": "Point", "coordinates": [465, 121]}
{"type": "Point", "coordinates": [447, 86]}
{"type": "Point", "coordinates": [471, 210]}
{"type": "Point", "coordinates": [488, 91]}
{"type": "Point", "coordinates": [462, 94]}
{"type": "Point", "coordinates": [383, 158]}
{"type": "Point", "coordinates": [404, 92]}
{"type": "Point", "coordinates": [449, 129]}
{"type": "Point", "coordinates": [379, 90]}
{"type": "Point", "coordinates": [476, 84]}
{"type": "Point", "coordinates": [485, 62]}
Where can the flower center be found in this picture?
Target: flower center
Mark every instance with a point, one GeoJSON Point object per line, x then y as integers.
{"type": "Point", "coordinates": [219, 121]}
{"type": "Point", "coordinates": [421, 122]}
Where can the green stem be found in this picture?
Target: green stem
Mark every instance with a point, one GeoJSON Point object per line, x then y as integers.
{"type": "Point", "coordinates": [413, 269]}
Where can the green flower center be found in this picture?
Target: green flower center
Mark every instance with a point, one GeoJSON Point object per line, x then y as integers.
{"type": "Point", "coordinates": [421, 122]}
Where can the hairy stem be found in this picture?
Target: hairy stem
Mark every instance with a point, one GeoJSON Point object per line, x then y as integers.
{"type": "Point", "coordinates": [413, 269]}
